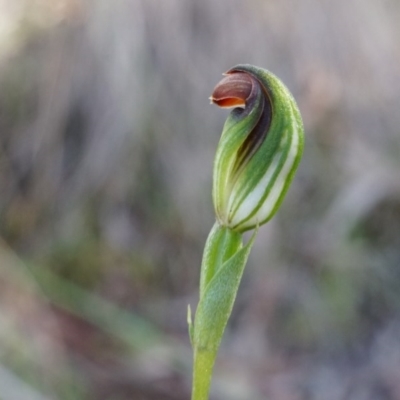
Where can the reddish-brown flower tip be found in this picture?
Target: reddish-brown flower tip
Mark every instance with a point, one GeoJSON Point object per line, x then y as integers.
{"type": "Point", "coordinates": [233, 90]}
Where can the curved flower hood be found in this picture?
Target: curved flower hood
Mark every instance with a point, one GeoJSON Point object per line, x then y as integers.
{"type": "Point", "coordinates": [259, 150]}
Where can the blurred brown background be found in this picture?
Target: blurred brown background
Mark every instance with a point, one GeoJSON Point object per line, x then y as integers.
{"type": "Point", "coordinates": [106, 147]}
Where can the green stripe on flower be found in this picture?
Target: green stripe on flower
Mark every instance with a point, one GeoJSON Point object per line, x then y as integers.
{"type": "Point", "coordinates": [259, 150]}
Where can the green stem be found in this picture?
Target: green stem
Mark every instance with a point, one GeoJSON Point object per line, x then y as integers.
{"type": "Point", "coordinates": [222, 243]}
{"type": "Point", "coordinates": [202, 373]}
{"type": "Point", "coordinates": [222, 267]}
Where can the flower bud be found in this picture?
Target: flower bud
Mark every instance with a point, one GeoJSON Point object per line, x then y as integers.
{"type": "Point", "coordinates": [259, 150]}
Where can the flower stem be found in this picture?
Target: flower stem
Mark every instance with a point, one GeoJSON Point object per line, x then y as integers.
{"type": "Point", "coordinates": [202, 373]}
{"type": "Point", "coordinates": [222, 267]}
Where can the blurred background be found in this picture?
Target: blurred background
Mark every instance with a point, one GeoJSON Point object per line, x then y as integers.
{"type": "Point", "coordinates": [107, 141]}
